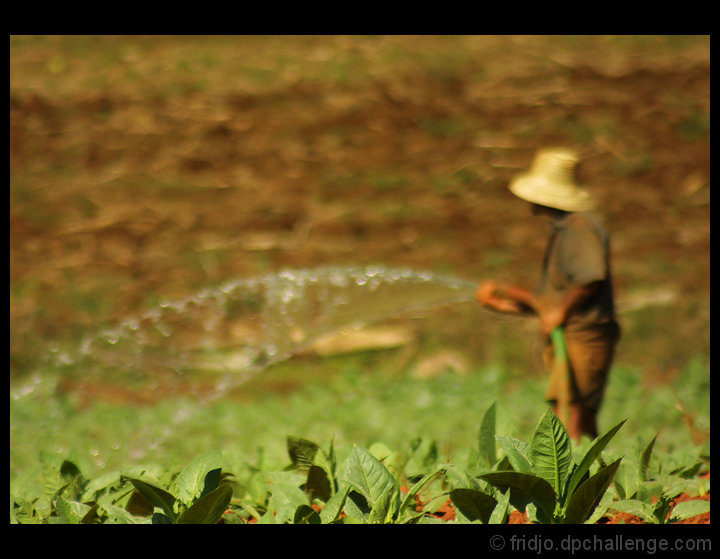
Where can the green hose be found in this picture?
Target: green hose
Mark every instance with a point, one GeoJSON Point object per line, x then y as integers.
{"type": "Point", "coordinates": [561, 361]}
{"type": "Point", "coordinates": [559, 345]}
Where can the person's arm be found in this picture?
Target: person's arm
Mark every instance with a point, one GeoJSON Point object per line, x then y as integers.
{"type": "Point", "coordinates": [506, 298]}
{"type": "Point", "coordinates": [519, 300]}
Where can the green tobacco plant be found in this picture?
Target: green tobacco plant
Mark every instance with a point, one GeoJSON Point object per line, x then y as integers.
{"type": "Point", "coordinates": [321, 482]}
{"type": "Point", "coordinates": [540, 477]}
{"type": "Point", "coordinates": [375, 495]}
{"type": "Point", "coordinates": [660, 508]}
{"type": "Point", "coordinates": [651, 496]}
{"type": "Point", "coordinates": [365, 492]}
{"type": "Point", "coordinates": [197, 496]}
{"type": "Point", "coordinates": [547, 477]}
{"type": "Point", "coordinates": [57, 499]}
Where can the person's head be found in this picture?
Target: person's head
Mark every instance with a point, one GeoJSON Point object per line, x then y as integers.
{"type": "Point", "coordinates": [547, 211]}
{"type": "Point", "coordinates": [550, 183]}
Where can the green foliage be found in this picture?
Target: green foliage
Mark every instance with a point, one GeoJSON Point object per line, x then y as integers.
{"type": "Point", "coordinates": [201, 495]}
{"type": "Point", "coordinates": [548, 477]}
{"type": "Point", "coordinates": [542, 476]}
{"type": "Point", "coordinates": [649, 492]}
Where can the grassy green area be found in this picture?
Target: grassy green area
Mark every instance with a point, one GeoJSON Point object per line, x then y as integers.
{"type": "Point", "coordinates": [393, 415]}
{"type": "Point", "coordinates": [359, 404]}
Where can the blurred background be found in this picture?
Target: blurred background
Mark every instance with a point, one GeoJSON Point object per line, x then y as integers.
{"type": "Point", "coordinates": [151, 167]}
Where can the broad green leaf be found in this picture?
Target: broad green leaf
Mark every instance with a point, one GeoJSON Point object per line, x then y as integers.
{"type": "Point", "coordinates": [190, 483]}
{"type": "Point", "coordinates": [551, 452]}
{"type": "Point", "coordinates": [645, 460]}
{"type": "Point", "coordinates": [268, 517]}
{"type": "Point", "coordinates": [645, 511]}
{"type": "Point", "coordinates": [208, 509]}
{"type": "Point", "coordinates": [91, 516]}
{"type": "Point", "coordinates": [626, 481]}
{"type": "Point", "coordinates": [70, 512]}
{"type": "Point", "coordinates": [305, 514]}
{"type": "Point", "coordinates": [326, 461]}
{"type": "Point", "coordinates": [285, 500]}
{"type": "Point", "coordinates": [415, 489]}
{"type": "Point", "coordinates": [356, 507]}
{"type": "Point", "coordinates": [292, 477]}
{"type": "Point", "coordinates": [382, 509]}
{"type": "Point", "coordinates": [525, 488]}
{"type": "Point", "coordinates": [212, 481]}
{"type": "Point", "coordinates": [619, 489]}
{"type": "Point", "coordinates": [52, 480]}
{"type": "Point", "coordinates": [156, 497]}
{"type": "Point", "coordinates": [688, 471]}
{"type": "Point", "coordinates": [153, 474]}
{"type": "Point", "coordinates": [332, 509]}
{"type": "Point", "coordinates": [302, 452]}
{"type": "Point", "coordinates": [368, 475]}
{"type": "Point", "coordinates": [499, 513]}
{"type": "Point", "coordinates": [43, 507]}
{"type": "Point", "coordinates": [688, 509]}
{"type": "Point", "coordinates": [317, 485]}
{"type": "Point", "coordinates": [136, 504]}
{"type": "Point", "coordinates": [602, 508]}
{"type": "Point", "coordinates": [475, 505]}
{"type": "Point", "coordinates": [21, 511]}
{"type": "Point", "coordinates": [458, 477]}
{"type": "Point", "coordinates": [651, 490]}
{"type": "Point", "coordinates": [118, 515]}
{"type": "Point", "coordinates": [590, 457]}
{"type": "Point", "coordinates": [587, 496]}
{"type": "Point", "coordinates": [662, 509]}
{"type": "Point", "coordinates": [99, 483]}
{"type": "Point", "coordinates": [517, 453]}
{"type": "Point", "coordinates": [486, 437]}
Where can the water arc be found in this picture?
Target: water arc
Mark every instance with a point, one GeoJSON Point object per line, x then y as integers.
{"type": "Point", "coordinates": [243, 325]}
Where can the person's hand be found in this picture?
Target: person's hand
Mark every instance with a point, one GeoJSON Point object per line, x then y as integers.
{"type": "Point", "coordinates": [551, 318]}
{"type": "Point", "coordinates": [486, 292]}
{"type": "Point", "coordinates": [492, 296]}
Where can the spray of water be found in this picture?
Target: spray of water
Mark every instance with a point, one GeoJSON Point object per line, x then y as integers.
{"type": "Point", "coordinates": [229, 333]}
{"type": "Point", "coordinates": [243, 326]}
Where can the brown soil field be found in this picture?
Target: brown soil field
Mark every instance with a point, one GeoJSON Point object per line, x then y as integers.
{"type": "Point", "coordinates": [144, 167]}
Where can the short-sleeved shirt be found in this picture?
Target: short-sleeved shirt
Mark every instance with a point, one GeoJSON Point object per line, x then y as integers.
{"type": "Point", "coordinates": [578, 254]}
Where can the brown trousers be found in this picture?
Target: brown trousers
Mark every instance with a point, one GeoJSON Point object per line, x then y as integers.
{"type": "Point", "coordinates": [590, 355]}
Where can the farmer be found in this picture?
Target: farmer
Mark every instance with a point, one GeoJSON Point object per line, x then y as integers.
{"type": "Point", "coordinates": [575, 290]}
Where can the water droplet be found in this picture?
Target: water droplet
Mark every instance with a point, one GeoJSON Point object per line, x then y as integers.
{"type": "Point", "coordinates": [164, 329]}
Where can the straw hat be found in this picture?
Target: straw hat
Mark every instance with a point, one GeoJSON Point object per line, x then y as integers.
{"type": "Point", "coordinates": [550, 182]}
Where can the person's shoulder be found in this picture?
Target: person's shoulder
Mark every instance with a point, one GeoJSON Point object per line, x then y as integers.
{"type": "Point", "coordinates": [589, 218]}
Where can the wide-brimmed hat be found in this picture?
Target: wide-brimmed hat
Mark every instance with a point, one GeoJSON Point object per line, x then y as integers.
{"type": "Point", "coordinates": [551, 182]}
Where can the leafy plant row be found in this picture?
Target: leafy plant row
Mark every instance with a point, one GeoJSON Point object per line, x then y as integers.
{"type": "Point", "coordinates": [549, 478]}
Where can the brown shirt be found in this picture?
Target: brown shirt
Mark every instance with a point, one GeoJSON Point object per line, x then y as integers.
{"type": "Point", "coordinates": [578, 253]}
